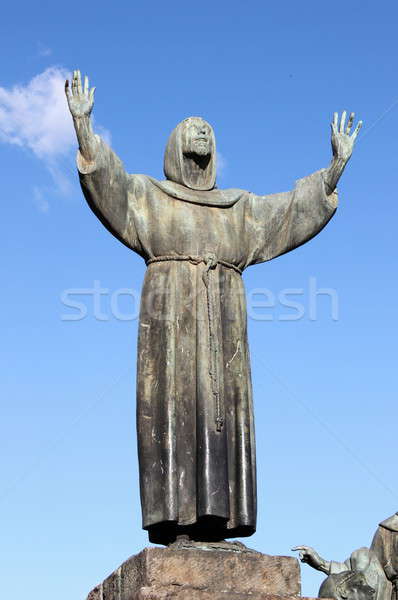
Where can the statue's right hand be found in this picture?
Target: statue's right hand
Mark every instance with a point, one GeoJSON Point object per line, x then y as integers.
{"type": "Point", "coordinates": [310, 556]}
{"type": "Point", "coordinates": [80, 99]}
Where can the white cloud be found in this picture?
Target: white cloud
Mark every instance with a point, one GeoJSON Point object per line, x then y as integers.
{"type": "Point", "coordinates": [40, 200]}
{"type": "Point", "coordinates": [103, 132]}
{"type": "Point", "coordinates": [36, 117]}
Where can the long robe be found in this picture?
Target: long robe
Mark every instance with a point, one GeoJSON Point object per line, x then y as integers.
{"type": "Point", "coordinates": [194, 398]}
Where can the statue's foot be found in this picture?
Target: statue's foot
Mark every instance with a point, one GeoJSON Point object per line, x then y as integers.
{"type": "Point", "coordinates": [181, 541]}
{"type": "Point", "coordinates": [184, 542]}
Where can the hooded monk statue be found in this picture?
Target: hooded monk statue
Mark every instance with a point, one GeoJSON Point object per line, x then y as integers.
{"type": "Point", "coordinates": [194, 398]}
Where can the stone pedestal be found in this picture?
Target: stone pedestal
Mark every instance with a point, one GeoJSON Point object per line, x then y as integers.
{"type": "Point", "coordinates": [201, 573]}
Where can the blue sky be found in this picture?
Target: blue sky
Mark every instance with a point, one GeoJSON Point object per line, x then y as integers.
{"type": "Point", "coordinates": [268, 76]}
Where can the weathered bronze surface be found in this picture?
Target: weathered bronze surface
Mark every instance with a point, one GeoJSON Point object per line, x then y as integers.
{"type": "Point", "coordinates": [194, 400]}
{"type": "Point", "coordinates": [377, 564]}
{"type": "Point", "coordinates": [348, 585]}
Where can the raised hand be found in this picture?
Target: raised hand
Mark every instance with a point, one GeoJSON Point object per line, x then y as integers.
{"type": "Point", "coordinates": [342, 146]}
{"type": "Point", "coordinates": [310, 556]}
{"type": "Point", "coordinates": [80, 99]}
{"type": "Point", "coordinates": [342, 141]}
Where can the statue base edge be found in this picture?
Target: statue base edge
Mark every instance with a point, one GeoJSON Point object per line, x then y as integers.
{"type": "Point", "coordinates": [202, 573]}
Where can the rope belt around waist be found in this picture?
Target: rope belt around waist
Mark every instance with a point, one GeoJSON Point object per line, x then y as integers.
{"type": "Point", "coordinates": [211, 262]}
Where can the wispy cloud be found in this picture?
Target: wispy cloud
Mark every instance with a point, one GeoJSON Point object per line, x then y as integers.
{"type": "Point", "coordinates": [40, 201]}
{"type": "Point", "coordinates": [43, 51]}
{"type": "Point", "coordinates": [35, 116]}
{"type": "Point", "coordinates": [103, 132]}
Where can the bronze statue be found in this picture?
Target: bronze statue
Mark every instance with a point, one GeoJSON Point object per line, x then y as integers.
{"type": "Point", "coordinates": [363, 561]}
{"type": "Point", "coordinates": [194, 400]}
{"type": "Point", "coordinates": [348, 585]}
{"type": "Point", "coordinates": [378, 564]}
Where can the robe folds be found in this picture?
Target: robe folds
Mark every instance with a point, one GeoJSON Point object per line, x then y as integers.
{"type": "Point", "coordinates": [194, 398]}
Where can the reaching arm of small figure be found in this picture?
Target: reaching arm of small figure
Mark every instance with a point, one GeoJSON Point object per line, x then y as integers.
{"type": "Point", "coordinates": [342, 147]}
{"type": "Point", "coordinates": [311, 557]}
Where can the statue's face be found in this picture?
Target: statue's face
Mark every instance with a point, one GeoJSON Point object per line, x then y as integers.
{"type": "Point", "coordinates": [197, 138]}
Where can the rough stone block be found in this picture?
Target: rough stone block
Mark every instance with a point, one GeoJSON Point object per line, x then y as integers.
{"type": "Point", "coordinates": [201, 574]}
{"type": "Point", "coordinates": [192, 594]}
{"type": "Point", "coordinates": [184, 594]}
{"type": "Point", "coordinates": [96, 593]}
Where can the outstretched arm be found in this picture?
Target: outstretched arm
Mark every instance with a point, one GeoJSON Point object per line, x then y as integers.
{"type": "Point", "coordinates": [285, 221]}
{"type": "Point", "coordinates": [311, 557]}
{"type": "Point", "coordinates": [104, 181]}
{"type": "Point", "coordinates": [81, 101]}
{"type": "Point", "coordinates": [342, 146]}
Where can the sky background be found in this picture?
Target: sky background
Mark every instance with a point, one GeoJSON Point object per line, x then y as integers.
{"type": "Point", "coordinates": [268, 76]}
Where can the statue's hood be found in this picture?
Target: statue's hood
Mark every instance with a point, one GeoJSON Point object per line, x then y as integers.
{"type": "Point", "coordinates": [179, 184]}
{"type": "Point", "coordinates": [175, 167]}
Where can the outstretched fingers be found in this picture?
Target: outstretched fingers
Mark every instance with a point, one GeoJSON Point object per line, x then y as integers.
{"type": "Point", "coordinates": [67, 89]}
{"type": "Point", "coordinates": [75, 87]}
{"type": "Point", "coordinates": [350, 122]}
{"type": "Point", "coordinates": [357, 130]}
{"type": "Point", "coordinates": [342, 128]}
{"type": "Point", "coordinates": [74, 83]}
{"type": "Point", "coordinates": [334, 123]}
{"type": "Point", "coordinates": [342, 122]}
{"type": "Point", "coordinates": [79, 83]}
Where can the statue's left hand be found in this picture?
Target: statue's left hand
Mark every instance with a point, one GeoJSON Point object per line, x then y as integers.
{"type": "Point", "coordinates": [342, 141]}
